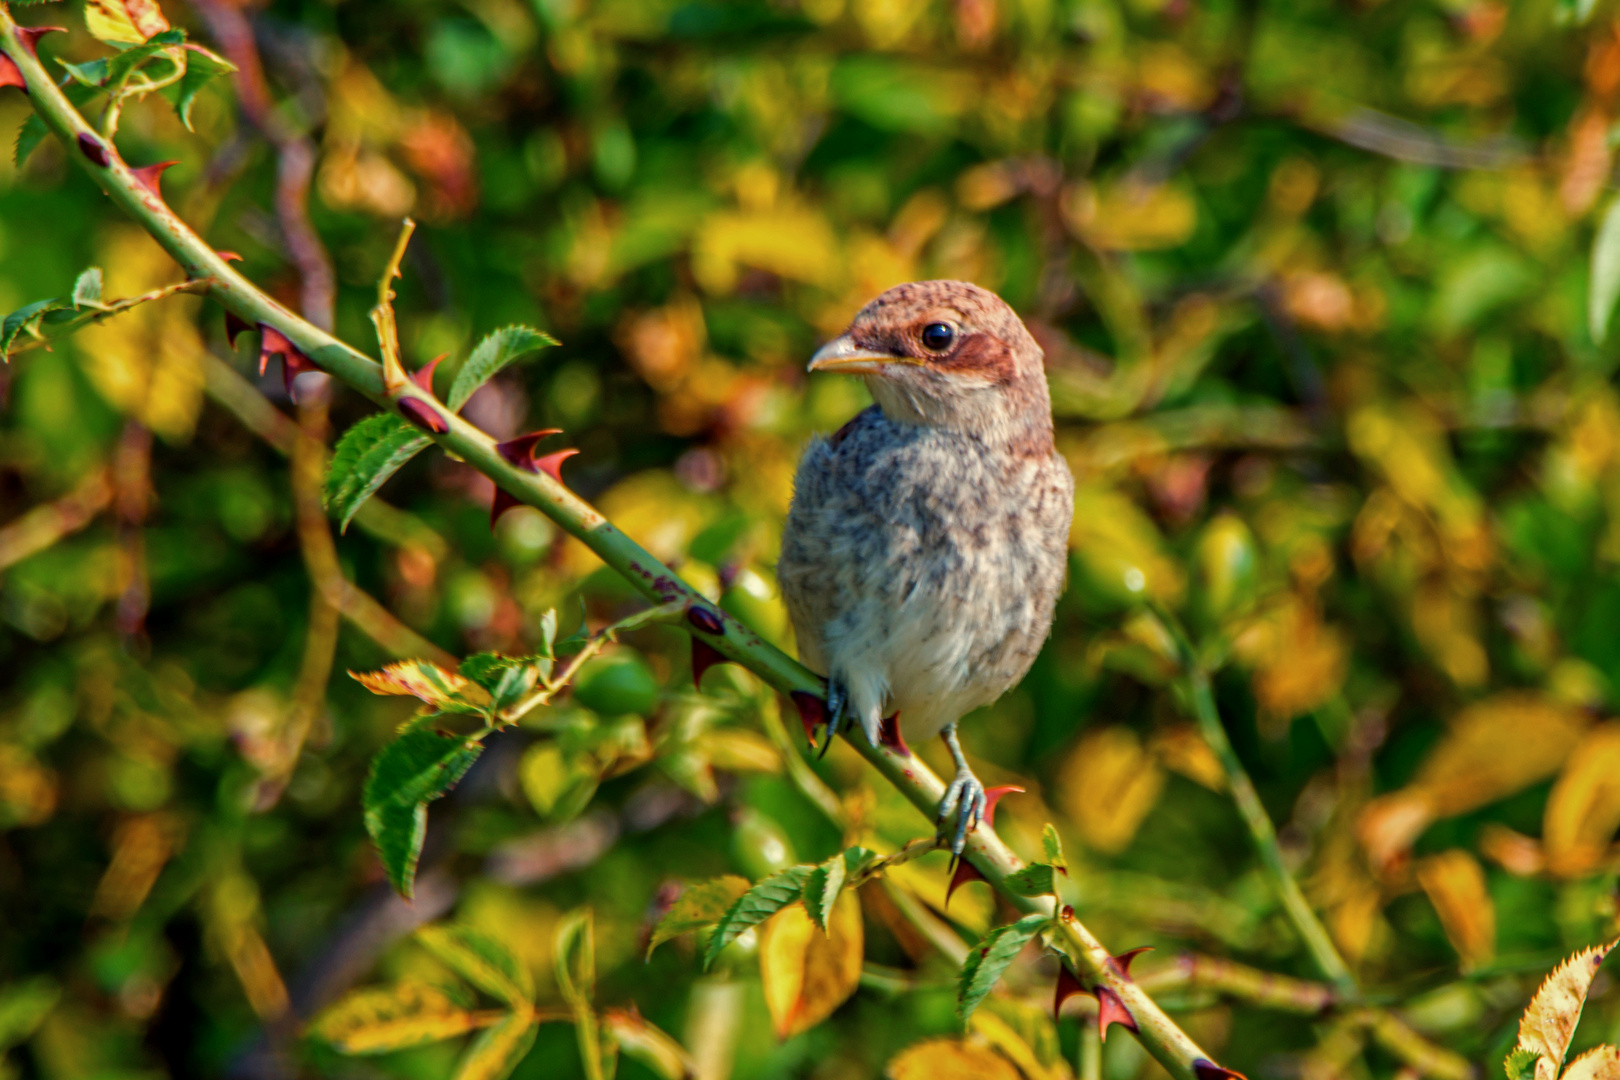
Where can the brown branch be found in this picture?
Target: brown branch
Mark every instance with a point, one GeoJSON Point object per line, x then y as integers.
{"type": "Point", "coordinates": [44, 525]}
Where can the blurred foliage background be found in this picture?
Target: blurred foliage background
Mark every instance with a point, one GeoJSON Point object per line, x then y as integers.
{"type": "Point", "coordinates": [1316, 285]}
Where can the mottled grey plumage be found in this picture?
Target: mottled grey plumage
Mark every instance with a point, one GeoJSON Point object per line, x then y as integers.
{"type": "Point", "coordinates": [926, 544]}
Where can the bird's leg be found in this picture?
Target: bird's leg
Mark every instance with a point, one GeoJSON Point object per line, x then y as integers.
{"type": "Point", "coordinates": [837, 708]}
{"type": "Point", "coordinates": [964, 797]}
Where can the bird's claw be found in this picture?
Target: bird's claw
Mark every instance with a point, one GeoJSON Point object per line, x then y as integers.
{"type": "Point", "coordinates": [966, 799]}
{"type": "Point", "coordinates": [837, 710]}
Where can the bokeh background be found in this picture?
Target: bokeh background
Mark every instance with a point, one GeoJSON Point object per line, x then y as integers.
{"type": "Point", "coordinates": [1316, 286]}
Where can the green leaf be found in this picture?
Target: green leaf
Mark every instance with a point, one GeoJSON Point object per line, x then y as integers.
{"type": "Point", "coordinates": [990, 958]}
{"type": "Point", "coordinates": [1053, 847]}
{"type": "Point", "coordinates": [755, 906]}
{"type": "Point", "coordinates": [367, 455]}
{"type": "Point", "coordinates": [508, 679]}
{"type": "Point", "coordinates": [1604, 287]}
{"type": "Point", "coordinates": [414, 769]}
{"type": "Point", "coordinates": [492, 354]}
{"type": "Point", "coordinates": [24, 1006]}
{"type": "Point", "coordinates": [380, 1020]}
{"type": "Point", "coordinates": [1521, 1064]}
{"type": "Point", "coordinates": [202, 67]}
{"type": "Point", "coordinates": [698, 906]}
{"type": "Point", "coordinates": [822, 887]}
{"type": "Point", "coordinates": [1036, 879]}
{"type": "Point", "coordinates": [33, 130]}
{"type": "Point", "coordinates": [575, 957]}
{"type": "Point", "coordinates": [87, 289]}
{"type": "Point", "coordinates": [481, 960]}
{"type": "Point", "coordinates": [499, 1048]}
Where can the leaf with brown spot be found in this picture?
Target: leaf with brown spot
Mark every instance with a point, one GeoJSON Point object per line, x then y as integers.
{"type": "Point", "coordinates": [380, 1020]}
{"type": "Point", "coordinates": [1549, 1020]}
{"type": "Point", "coordinates": [808, 974]}
{"type": "Point", "coordinates": [124, 22]}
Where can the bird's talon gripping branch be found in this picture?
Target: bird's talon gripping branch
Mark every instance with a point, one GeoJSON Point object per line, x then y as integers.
{"type": "Point", "coordinates": [965, 798]}
{"type": "Point", "coordinates": [837, 712]}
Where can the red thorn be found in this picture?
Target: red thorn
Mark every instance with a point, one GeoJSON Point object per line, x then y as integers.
{"type": "Point", "coordinates": [993, 796]}
{"type": "Point", "coordinates": [30, 35]}
{"type": "Point", "coordinates": [705, 620]}
{"type": "Point", "coordinates": [423, 376]}
{"type": "Point", "coordinates": [965, 872]}
{"type": "Point", "coordinates": [1205, 1069]}
{"type": "Point", "coordinates": [422, 415]}
{"type": "Point", "coordinates": [228, 256]}
{"type": "Point", "coordinates": [889, 735]}
{"type": "Point", "coordinates": [93, 148]}
{"type": "Point", "coordinates": [150, 176]}
{"type": "Point", "coordinates": [504, 501]}
{"type": "Point", "coordinates": [520, 451]}
{"type": "Point", "coordinates": [1111, 1010]}
{"type": "Point", "coordinates": [11, 75]}
{"type": "Point", "coordinates": [704, 657]}
{"type": "Point", "coordinates": [812, 713]}
{"type": "Point", "coordinates": [1122, 962]}
{"type": "Point", "coordinates": [234, 325]}
{"type": "Point", "coordinates": [273, 342]}
{"type": "Point", "coordinates": [1067, 987]}
{"type": "Point", "coordinates": [551, 464]}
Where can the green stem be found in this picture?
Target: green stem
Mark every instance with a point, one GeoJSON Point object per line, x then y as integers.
{"type": "Point", "coordinates": [1254, 815]}
{"type": "Point", "coordinates": [1166, 1042]}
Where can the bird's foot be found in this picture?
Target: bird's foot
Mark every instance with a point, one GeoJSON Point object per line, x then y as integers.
{"type": "Point", "coordinates": [837, 713]}
{"type": "Point", "coordinates": [964, 800]}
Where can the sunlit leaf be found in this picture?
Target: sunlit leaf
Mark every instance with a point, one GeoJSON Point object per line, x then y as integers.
{"type": "Point", "coordinates": [1036, 879]}
{"type": "Point", "coordinates": [1455, 884]}
{"type": "Point", "coordinates": [575, 953]}
{"type": "Point", "coordinates": [1604, 287]}
{"type": "Point", "coordinates": [1583, 811]}
{"type": "Point", "coordinates": [1549, 1020]}
{"type": "Point", "coordinates": [666, 1058]}
{"type": "Point", "coordinates": [368, 454]}
{"type": "Point", "coordinates": [699, 905]}
{"type": "Point", "coordinates": [124, 22]}
{"type": "Point", "coordinates": [496, 351]}
{"type": "Point", "coordinates": [481, 960]}
{"type": "Point", "coordinates": [24, 1005]}
{"type": "Point", "coordinates": [498, 1049]}
{"type": "Point", "coordinates": [806, 973]}
{"type": "Point", "coordinates": [380, 1020]}
{"type": "Point", "coordinates": [989, 958]}
{"type": "Point", "coordinates": [443, 690]}
{"type": "Point", "coordinates": [822, 888]}
{"type": "Point", "coordinates": [1598, 1063]}
{"type": "Point", "coordinates": [949, 1059]}
{"type": "Point", "coordinates": [753, 907]}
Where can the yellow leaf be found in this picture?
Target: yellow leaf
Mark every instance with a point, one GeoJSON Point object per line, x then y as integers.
{"type": "Point", "coordinates": [648, 1045]}
{"type": "Point", "coordinates": [498, 1049]}
{"type": "Point", "coordinates": [1549, 1021]}
{"type": "Point", "coordinates": [1583, 810]}
{"type": "Point", "coordinates": [1599, 1063]}
{"type": "Point", "coordinates": [737, 750]}
{"type": "Point", "coordinates": [1455, 883]}
{"type": "Point", "coordinates": [1120, 549]}
{"type": "Point", "coordinates": [808, 974]}
{"type": "Point", "coordinates": [1109, 782]}
{"type": "Point", "coordinates": [383, 1019]}
{"type": "Point", "coordinates": [1181, 749]}
{"type": "Point", "coordinates": [793, 242]}
{"type": "Point", "coordinates": [148, 362]}
{"type": "Point", "coordinates": [1468, 768]}
{"type": "Point", "coordinates": [1130, 216]}
{"type": "Point", "coordinates": [419, 678]}
{"type": "Point", "coordinates": [948, 1059]}
{"type": "Point", "coordinates": [1001, 1035]}
{"type": "Point", "coordinates": [124, 22]}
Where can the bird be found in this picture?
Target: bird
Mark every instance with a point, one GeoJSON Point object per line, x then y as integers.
{"type": "Point", "coordinates": [926, 543]}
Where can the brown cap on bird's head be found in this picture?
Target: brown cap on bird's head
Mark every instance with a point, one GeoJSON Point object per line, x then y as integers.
{"type": "Point", "coordinates": [946, 353]}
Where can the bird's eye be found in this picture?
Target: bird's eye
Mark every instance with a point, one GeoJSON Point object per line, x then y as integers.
{"type": "Point", "coordinates": [937, 337]}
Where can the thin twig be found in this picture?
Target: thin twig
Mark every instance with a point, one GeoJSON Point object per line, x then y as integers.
{"type": "Point", "coordinates": [1159, 1035]}
{"type": "Point", "coordinates": [44, 525]}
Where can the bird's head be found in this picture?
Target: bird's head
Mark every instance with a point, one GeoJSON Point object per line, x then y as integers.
{"type": "Point", "coordinates": [947, 354]}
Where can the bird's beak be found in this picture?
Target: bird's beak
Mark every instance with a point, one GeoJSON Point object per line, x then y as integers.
{"type": "Point", "coordinates": [842, 355]}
